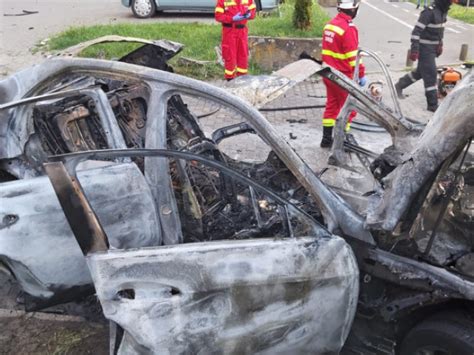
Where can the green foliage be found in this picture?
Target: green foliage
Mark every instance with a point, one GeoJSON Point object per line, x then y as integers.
{"type": "Point", "coordinates": [302, 15]}
{"type": "Point", "coordinates": [280, 23]}
{"type": "Point", "coordinates": [462, 13]}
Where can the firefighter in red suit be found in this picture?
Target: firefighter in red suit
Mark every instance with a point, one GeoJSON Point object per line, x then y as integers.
{"type": "Point", "coordinates": [234, 15]}
{"type": "Point", "coordinates": [340, 42]}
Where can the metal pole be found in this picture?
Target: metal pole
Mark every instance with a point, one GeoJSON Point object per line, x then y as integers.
{"type": "Point", "coordinates": [464, 49]}
{"type": "Point", "coordinates": [409, 62]}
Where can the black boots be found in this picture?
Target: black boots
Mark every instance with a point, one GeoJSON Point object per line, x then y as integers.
{"type": "Point", "coordinates": [432, 100]}
{"type": "Point", "coordinates": [326, 142]}
{"type": "Point", "coordinates": [399, 90]}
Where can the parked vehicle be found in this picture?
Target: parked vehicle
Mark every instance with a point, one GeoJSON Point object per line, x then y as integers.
{"type": "Point", "coordinates": [464, 2]}
{"type": "Point", "coordinates": [147, 8]}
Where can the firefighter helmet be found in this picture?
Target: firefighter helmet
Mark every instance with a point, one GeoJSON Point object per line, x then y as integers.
{"type": "Point", "coordinates": [348, 4]}
{"type": "Point", "coordinates": [443, 5]}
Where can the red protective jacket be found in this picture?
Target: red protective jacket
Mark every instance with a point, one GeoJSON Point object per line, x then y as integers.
{"type": "Point", "coordinates": [340, 43]}
{"type": "Point", "coordinates": [234, 35]}
{"type": "Point", "coordinates": [225, 10]}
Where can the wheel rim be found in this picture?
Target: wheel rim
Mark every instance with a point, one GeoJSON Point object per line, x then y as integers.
{"type": "Point", "coordinates": [142, 7]}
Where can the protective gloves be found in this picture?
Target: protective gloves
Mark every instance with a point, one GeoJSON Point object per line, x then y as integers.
{"type": "Point", "coordinates": [362, 81]}
{"type": "Point", "coordinates": [414, 56]}
{"type": "Point", "coordinates": [238, 17]}
{"type": "Point", "coordinates": [439, 50]}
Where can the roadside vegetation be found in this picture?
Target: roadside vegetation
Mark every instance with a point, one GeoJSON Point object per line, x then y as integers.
{"type": "Point", "coordinates": [462, 13]}
{"type": "Point", "coordinates": [302, 16]}
{"type": "Point", "coordinates": [458, 12]}
{"type": "Point", "coordinates": [199, 39]}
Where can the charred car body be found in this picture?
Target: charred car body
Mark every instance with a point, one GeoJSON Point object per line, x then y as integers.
{"type": "Point", "coordinates": [194, 206]}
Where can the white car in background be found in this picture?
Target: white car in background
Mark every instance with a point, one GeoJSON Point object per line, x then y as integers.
{"type": "Point", "coordinates": [147, 8]}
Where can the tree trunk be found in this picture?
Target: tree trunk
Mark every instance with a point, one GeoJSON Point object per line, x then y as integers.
{"type": "Point", "coordinates": [302, 15]}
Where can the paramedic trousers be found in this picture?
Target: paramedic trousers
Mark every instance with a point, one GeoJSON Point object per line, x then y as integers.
{"type": "Point", "coordinates": [234, 50]}
{"type": "Point", "coordinates": [335, 99]}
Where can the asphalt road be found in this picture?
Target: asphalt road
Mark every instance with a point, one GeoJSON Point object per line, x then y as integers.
{"type": "Point", "coordinates": [384, 27]}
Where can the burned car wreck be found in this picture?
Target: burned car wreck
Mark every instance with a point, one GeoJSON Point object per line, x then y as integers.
{"type": "Point", "coordinates": [190, 204]}
{"type": "Point", "coordinates": [205, 231]}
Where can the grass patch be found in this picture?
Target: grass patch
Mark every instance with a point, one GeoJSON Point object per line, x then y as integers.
{"type": "Point", "coordinates": [280, 23]}
{"type": "Point", "coordinates": [458, 12]}
{"type": "Point", "coordinates": [65, 341]}
{"type": "Point", "coordinates": [462, 13]}
{"type": "Point", "coordinates": [199, 39]}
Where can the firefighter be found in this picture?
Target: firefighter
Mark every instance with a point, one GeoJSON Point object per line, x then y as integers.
{"type": "Point", "coordinates": [340, 42]}
{"type": "Point", "coordinates": [426, 45]}
{"type": "Point", "coordinates": [234, 14]}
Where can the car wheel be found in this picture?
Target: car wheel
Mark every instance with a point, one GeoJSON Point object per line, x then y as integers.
{"type": "Point", "coordinates": [143, 8]}
{"type": "Point", "coordinates": [451, 334]}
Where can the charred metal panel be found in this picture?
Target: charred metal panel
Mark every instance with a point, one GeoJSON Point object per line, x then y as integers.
{"type": "Point", "coordinates": [83, 221]}
{"type": "Point", "coordinates": [401, 129]}
{"type": "Point", "coordinates": [151, 56]}
{"type": "Point", "coordinates": [207, 211]}
{"type": "Point", "coordinates": [256, 296]}
{"type": "Point", "coordinates": [35, 238]}
{"type": "Point", "coordinates": [157, 169]}
{"type": "Point", "coordinates": [337, 213]}
{"type": "Point", "coordinates": [418, 275]}
{"type": "Point", "coordinates": [259, 90]}
{"type": "Point", "coordinates": [24, 82]}
{"type": "Point", "coordinates": [449, 130]}
{"type": "Point", "coordinates": [164, 49]}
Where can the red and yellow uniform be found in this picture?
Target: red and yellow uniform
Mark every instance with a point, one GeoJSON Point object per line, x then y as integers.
{"type": "Point", "coordinates": [340, 42]}
{"type": "Point", "coordinates": [234, 35]}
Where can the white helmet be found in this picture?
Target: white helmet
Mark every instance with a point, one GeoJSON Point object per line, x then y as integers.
{"type": "Point", "coordinates": [348, 4]}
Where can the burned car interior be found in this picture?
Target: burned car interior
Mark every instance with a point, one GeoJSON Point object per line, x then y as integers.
{"type": "Point", "coordinates": [186, 211]}
{"type": "Point", "coordinates": [228, 278]}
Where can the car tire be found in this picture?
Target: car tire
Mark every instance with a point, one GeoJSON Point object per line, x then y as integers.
{"type": "Point", "coordinates": [143, 8]}
{"type": "Point", "coordinates": [450, 334]}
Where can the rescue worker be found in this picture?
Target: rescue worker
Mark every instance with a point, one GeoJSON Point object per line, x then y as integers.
{"type": "Point", "coordinates": [426, 45]}
{"type": "Point", "coordinates": [339, 50]}
{"type": "Point", "coordinates": [234, 14]}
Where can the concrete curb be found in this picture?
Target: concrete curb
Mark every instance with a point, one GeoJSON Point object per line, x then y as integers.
{"type": "Point", "coordinates": [273, 53]}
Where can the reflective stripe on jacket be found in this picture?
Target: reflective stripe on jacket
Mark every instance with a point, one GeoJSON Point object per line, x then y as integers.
{"type": "Point", "coordinates": [429, 29]}
{"type": "Point", "coordinates": [340, 42]}
{"type": "Point", "coordinates": [226, 9]}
